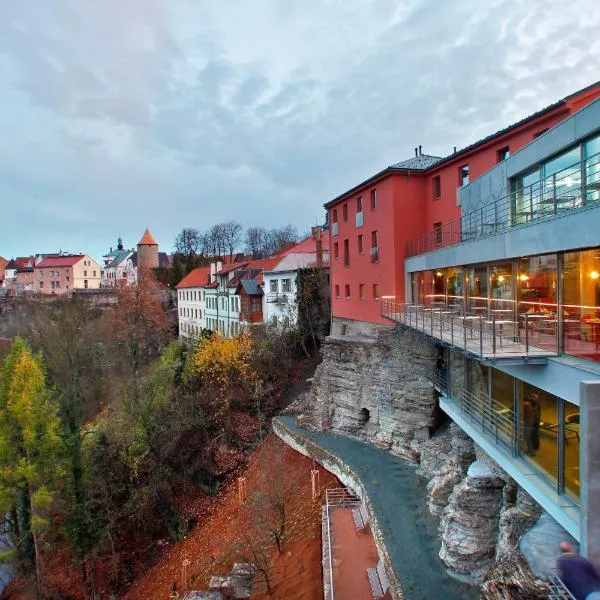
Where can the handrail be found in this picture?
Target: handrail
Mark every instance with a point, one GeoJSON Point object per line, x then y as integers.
{"type": "Point", "coordinates": [558, 589]}
{"type": "Point", "coordinates": [549, 197]}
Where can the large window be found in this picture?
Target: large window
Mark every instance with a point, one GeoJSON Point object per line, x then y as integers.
{"type": "Point", "coordinates": [477, 288]}
{"type": "Point", "coordinates": [581, 303]}
{"type": "Point", "coordinates": [455, 288]}
{"type": "Point", "coordinates": [501, 290]}
{"type": "Point", "coordinates": [527, 193]}
{"type": "Point", "coordinates": [537, 284]}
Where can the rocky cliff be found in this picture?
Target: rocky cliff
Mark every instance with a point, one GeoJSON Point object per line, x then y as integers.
{"type": "Point", "coordinates": [373, 384]}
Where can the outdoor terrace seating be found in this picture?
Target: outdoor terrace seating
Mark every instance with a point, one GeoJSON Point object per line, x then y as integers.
{"type": "Point", "coordinates": [491, 333]}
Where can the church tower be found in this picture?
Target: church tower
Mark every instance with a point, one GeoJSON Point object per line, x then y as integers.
{"type": "Point", "coordinates": [147, 252]}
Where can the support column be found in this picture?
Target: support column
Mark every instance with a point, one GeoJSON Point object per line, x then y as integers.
{"type": "Point", "coordinates": [589, 459]}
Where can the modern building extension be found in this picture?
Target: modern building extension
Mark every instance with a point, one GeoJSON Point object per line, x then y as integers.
{"type": "Point", "coordinates": [372, 223]}
{"type": "Point", "coordinates": [510, 292]}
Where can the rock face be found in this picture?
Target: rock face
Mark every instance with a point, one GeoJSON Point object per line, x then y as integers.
{"type": "Point", "coordinates": [374, 386]}
{"type": "Point", "coordinates": [469, 523]}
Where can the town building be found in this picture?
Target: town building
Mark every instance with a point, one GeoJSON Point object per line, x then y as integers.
{"type": "Point", "coordinates": [512, 299]}
{"type": "Point", "coordinates": [61, 274]}
{"type": "Point", "coordinates": [3, 263]}
{"type": "Point", "coordinates": [191, 302]}
{"type": "Point", "coordinates": [114, 270]}
{"type": "Point", "coordinates": [147, 253]}
{"type": "Point", "coordinates": [18, 275]}
{"type": "Point", "coordinates": [372, 223]}
{"type": "Point", "coordinates": [280, 302]}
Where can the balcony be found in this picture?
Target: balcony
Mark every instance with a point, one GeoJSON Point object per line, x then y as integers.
{"type": "Point", "coordinates": [487, 334]}
{"type": "Point", "coordinates": [275, 298]}
{"type": "Point", "coordinates": [575, 188]}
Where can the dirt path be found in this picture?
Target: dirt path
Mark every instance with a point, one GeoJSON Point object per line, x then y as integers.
{"type": "Point", "coordinates": [295, 573]}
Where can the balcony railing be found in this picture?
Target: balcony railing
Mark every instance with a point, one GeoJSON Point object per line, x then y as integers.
{"type": "Point", "coordinates": [507, 332]}
{"type": "Point", "coordinates": [573, 188]}
{"type": "Point", "coordinates": [558, 590]}
{"type": "Point", "coordinates": [276, 298]}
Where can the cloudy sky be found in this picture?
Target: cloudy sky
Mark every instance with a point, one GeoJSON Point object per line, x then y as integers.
{"type": "Point", "coordinates": [121, 114]}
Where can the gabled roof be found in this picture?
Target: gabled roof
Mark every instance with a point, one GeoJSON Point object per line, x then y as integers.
{"type": "Point", "coordinates": [147, 239]}
{"type": "Point", "coordinates": [251, 287]}
{"type": "Point", "coordinates": [196, 278]}
{"type": "Point", "coordinates": [232, 267]}
{"type": "Point", "coordinates": [417, 163]}
{"type": "Point", "coordinates": [307, 245]}
{"type": "Point", "coordinates": [60, 261]}
{"type": "Point", "coordinates": [119, 257]}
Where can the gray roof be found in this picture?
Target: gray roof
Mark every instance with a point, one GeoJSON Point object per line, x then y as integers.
{"type": "Point", "coordinates": [420, 163]}
{"type": "Point", "coordinates": [119, 257]}
{"type": "Point", "coordinates": [251, 287]}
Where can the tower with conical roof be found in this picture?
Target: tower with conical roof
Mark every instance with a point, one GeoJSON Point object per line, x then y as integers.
{"type": "Point", "coordinates": [147, 252]}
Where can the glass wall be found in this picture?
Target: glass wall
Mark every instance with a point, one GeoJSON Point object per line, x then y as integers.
{"type": "Point", "coordinates": [502, 404]}
{"type": "Point", "coordinates": [477, 288]}
{"type": "Point", "coordinates": [526, 191]}
{"type": "Point", "coordinates": [539, 428]}
{"type": "Point", "coordinates": [591, 155]}
{"type": "Point", "coordinates": [540, 293]}
{"type": "Point", "coordinates": [537, 285]}
{"type": "Point", "coordinates": [502, 287]}
{"type": "Point", "coordinates": [571, 445]}
{"type": "Point", "coordinates": [581, 304]}
{"type": "Point", "coordinates": [455, 288]}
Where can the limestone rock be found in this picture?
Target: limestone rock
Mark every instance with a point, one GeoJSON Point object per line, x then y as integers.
{"type": "Point", "coordinates": [436, 453]}
{"type": "Point", "coordinates": [469, 525]}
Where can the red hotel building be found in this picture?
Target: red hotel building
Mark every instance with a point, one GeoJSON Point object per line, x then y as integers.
{"type": "Point", "coordinates": [371, 224]}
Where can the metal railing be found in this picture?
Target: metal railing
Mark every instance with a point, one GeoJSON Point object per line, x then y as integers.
{"type": "Point", "coordinates": [336, 498]}
{"type": "Point", "coordinates": [495, 419]}
{"type": "Point", "coordinates": [558, 590]}
{"type": "Point", "coordinates": [573, 188]}
{"type": "Point", "coordinates": [489, 333]}
{"type": "Point", "coordinates": [278, 298]}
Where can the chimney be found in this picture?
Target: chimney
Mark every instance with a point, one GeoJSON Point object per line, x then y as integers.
{"type": "Point", "coordinates": [317, 236]}
{"type": "Point", "coordinates": [420, 150]}
{"type": "Point", "coordinates": [454, 149]}
{"type": "Point", "coordinates": [416, 152]}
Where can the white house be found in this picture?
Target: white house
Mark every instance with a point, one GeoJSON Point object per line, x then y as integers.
{"type": "Point", "coordinates": [281, 308]}
{"type": "Point", "coordinates": [191, 302]}
{"type": "Point", "coordinates": [114, 269]}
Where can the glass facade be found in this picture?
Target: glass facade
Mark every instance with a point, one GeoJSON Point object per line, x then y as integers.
{"type": "Point", "coordinates": [552, 300]}
{"type": "Point", "coordinates": [564, 182]}
{"type": "Point", "coordinates": [527, 421]}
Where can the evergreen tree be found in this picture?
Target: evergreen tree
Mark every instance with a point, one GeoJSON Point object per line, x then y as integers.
{"type": "Point", "coordinates": [30, 449]}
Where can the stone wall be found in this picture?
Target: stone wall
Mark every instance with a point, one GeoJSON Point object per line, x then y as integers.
{"type": "Point", "coordinates": [373, 384]}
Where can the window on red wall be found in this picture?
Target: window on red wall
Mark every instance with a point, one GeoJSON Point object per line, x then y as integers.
{"type": "Point", "coordinates": [502, 154]}
{"type": "Point", "coordinates": [337, 291]}
{"type": "Point", "coordinates": [336, 250]}
{"type": "Point", "coordinates": [437, 232]}
{"type": "Point", "coordinates": [376, 291]}
{"type": "Point", "coordinates": [374, 247]}
{"type": "Point", "coordinates": [361, 291]}
{"type": "Point", "coordinates": [373, 199]}
{"type": "Point", "coordinates": [347, 290]}
{"type": "Point", "coordinates": [359, 204]}
{"type": "Point", "coordinates": [345, 211]}
{"type": "Point", "coordinates": [335, 215]}
{"type": "Point", "coordinates": [346, 253]}
{"type": "Point", "coordinates": [436, 186]}
{"type": "Point", "coordinates": [361, 248]}
{"type": "Point", "coordinates": [463, 175]}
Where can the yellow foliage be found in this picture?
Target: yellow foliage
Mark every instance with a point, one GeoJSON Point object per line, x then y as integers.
{"type": "Point", "coordinates": [224, 363]}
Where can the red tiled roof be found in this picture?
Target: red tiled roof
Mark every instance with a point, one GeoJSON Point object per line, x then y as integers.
{"type": "Point", "coordinates": [264, 264]}
{"type": "Point", "coordinates": [199, 277]}
{"type": "Point", "coordinates": [147, 239]}
{"type": "Point", "coordinates": [60, 261]}
{"type": "Point", "coordinates": [232, 267]}
{"type": "Point", "coordinates": [308, 245]}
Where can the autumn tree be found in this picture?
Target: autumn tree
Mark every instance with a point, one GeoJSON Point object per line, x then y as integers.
{"type": "Point", "coordinates": [223, 367]}
{"type": "Point", "coordinates": [140, 324]}
{"type": "Point", "coordinates": [30, 450]}
{"type": "Point", "coordinates": [313, 308]}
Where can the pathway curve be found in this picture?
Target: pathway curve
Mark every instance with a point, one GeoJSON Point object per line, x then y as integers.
{"type": "Point", "coordinates": [397, 495]}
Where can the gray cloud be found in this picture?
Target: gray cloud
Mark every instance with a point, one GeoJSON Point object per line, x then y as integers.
{"type": "Point", "coordinates": [123, 115]}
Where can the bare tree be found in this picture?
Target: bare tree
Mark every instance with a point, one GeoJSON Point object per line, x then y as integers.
{"type": "Point", "coordinates": [281, 238]}
{"type": "Point", "coordinates": [232, 236]}
{"type": "Point", "coordinates": [215, 240]}
{"type": "Point", "coordinates": [186, 244]}
{"type": "Point", "coordinates": [256, 242]}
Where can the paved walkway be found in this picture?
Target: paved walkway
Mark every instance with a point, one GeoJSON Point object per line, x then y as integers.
{"type": "Point", "coordinates": [398, 497]}
{"type": "Point", "coordinates": [353, 553]}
